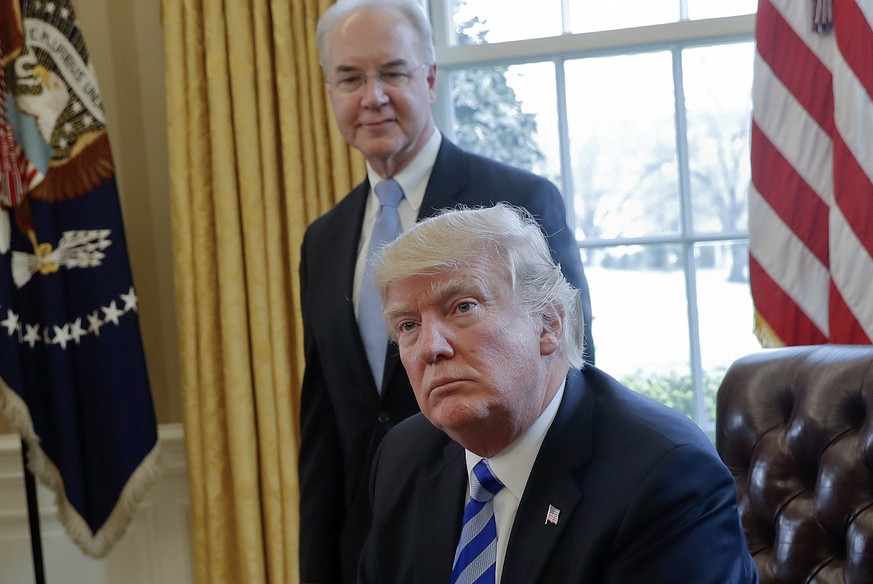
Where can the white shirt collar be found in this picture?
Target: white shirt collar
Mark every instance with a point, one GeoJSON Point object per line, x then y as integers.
{"type": "Point", "coordinates": [413, 179]}
{"type": "Point", "coordinates": [514, 464]}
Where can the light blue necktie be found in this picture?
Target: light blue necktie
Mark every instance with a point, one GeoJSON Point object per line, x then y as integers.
{"type": "Point", "coordinates": [370, 320]}
{"type": "Point", "coordinates": [476, 556]}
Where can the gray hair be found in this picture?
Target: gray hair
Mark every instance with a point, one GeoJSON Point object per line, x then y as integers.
{"type": "Point", "coordinates": [410, 9]}
{"type": "Point", "coordinates": [500, 235]}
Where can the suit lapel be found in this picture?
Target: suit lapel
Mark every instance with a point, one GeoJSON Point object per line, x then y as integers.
{"type": "Point", "coordinates": [341, 270]}
{"type": "Point", "coordinates": [447, 180]}
{"type": "Point", "coordinates": [553, 484]}
{"type": "Point", "coordinates": [442, 493]}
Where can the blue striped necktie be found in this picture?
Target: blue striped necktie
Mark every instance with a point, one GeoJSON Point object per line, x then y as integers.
{"type": "Point", "coordinates": [476, 556]}
{"type": "Point", "coordinates": [370, 321]}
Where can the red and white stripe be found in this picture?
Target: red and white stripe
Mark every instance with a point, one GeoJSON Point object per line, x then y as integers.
{"type": "Point", "coordinates": [811, 198]}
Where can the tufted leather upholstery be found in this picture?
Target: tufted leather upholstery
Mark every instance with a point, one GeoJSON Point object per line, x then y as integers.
{"type": "Point", "coordinates": [795, 427]}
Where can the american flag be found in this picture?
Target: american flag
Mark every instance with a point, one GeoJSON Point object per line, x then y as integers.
{"type": "Point", "coordinates": [811, 198]}
{"type": "Point", "coordinates": [552, 515]}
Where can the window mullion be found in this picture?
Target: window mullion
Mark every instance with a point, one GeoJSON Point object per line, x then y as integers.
{"type": "Point", "coordinates": [686, 231]}
{"type": "Point", "coordinates": [565, 16]}
{"type": "Point", "coordinates": [564, 145]}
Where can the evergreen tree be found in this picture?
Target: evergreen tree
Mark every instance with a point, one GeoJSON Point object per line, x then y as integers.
{"type": "Point", "coordinates": [488, 114]}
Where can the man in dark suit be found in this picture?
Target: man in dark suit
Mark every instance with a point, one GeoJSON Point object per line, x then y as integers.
{"type": "Point", "coordinates": [378, 60]}
{"type": "Point", "coordinates": [587, 481]}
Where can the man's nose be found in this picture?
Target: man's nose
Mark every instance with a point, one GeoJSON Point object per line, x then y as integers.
{"type": "Point", "coordinates": [434, 343]}
{"type": "Point", "coordinates": [374, 93]}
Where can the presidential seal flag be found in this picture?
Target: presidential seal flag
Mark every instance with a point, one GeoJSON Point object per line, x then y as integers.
{"type": "Point", "coordinates": [73, 378]}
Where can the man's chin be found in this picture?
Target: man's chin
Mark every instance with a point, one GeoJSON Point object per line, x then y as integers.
{"type": "Point", "coordinates": [455, 416]}
{"type": "Point", "coordinates": [382, 149]}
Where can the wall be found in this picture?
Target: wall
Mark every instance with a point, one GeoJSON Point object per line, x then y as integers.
{"type": "Point", "coordinates": [155, 550]}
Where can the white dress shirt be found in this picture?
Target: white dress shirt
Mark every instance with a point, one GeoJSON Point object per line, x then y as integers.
{"type": "Point", "coordinates": [512, 467]}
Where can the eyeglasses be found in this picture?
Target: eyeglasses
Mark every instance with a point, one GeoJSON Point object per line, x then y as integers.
{"type": "Point", "coordinates": [394, 77]}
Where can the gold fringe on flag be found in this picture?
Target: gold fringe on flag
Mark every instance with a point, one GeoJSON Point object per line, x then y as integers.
{"type": "Point", "coordinates": [96, 545]}
{"type": "Point", "coordinates": [765, 333]}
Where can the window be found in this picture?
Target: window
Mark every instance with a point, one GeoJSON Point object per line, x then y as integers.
{"type": "Point", "coordinates": [639, 111]}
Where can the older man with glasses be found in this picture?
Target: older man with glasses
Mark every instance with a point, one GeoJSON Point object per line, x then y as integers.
{"type": "Point", "coordinates": [379, 67]}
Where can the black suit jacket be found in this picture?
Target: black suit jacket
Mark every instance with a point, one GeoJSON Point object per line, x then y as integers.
{"type": "Point", "coordinates": [642, 494]}
{"type": "Point", "coordinates": [343, 417]}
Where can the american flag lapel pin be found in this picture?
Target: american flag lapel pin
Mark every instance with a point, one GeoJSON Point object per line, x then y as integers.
{"type": "Point", "coordinates": [552, 515]}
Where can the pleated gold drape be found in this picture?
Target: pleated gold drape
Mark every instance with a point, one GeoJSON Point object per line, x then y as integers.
{"type": "Point", "coordinates": [254, 158]}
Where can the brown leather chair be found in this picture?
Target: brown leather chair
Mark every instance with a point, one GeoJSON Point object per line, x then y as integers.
{"type": "Point", "coordinates": [795, 427]}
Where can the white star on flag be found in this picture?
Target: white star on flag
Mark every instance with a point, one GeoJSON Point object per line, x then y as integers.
{"type": "Point", "coordinates": [77, 332]}
{"type": "Point", "coordinates": [111, 313]}
{"type": "Point", "coordinates": [32, 337]}
{"type": "Point", "coordinates": [94, 323]}
{"type": "Point", "coordinates": [11, 323]}
{"type": "Point", "coordinates": [62, 335]}
{"type": "Point", "coordinates": [130, 300]}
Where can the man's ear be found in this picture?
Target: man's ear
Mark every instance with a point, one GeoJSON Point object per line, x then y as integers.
{"type": "Point", "coordinates": [431, 82]}
{"type": "Point", "coordinates": [552, 331]}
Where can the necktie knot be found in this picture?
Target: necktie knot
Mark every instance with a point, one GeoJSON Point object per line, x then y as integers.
{"type": "Point", "coordinates": [389, 192]}
{"type": "Point", "coordinates": [483, 484]}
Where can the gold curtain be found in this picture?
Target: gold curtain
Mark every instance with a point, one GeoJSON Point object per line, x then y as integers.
{"type": "Point", "coordinates": [254, 157]}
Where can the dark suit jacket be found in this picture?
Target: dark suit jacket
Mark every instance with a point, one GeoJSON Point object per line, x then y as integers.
{"type": "Point", "coordinates": [642, 494]}
{"type": "Point", "coordinates": [343, 417]}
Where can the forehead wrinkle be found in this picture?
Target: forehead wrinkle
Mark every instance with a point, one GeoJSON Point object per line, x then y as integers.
{"type": "Point", "coordinates": [442, 290]}
{"type": "Point", "coordinates": [439, 291]}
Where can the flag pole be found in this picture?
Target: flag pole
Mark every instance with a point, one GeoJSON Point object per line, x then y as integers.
{"type": "Point", "coordinates": [33, 515]}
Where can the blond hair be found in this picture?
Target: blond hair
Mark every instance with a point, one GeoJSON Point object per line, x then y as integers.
{"type": "Point", "coordinates": [502, 235]}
